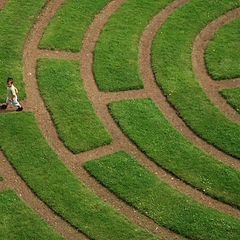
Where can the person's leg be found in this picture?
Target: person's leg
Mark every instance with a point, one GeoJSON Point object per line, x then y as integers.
{"type": "Point", "coordinates": [4, 106]}
{"type": "Point", "coordinates": [17, 104]}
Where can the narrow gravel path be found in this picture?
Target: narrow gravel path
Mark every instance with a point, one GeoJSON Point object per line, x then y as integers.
{"type": "Point", "coordinates": [212, 87]}
{"type": "Point", "coordinates": [12, 180]}
{"type": "Point", "coordinates": [99, 99]}
{"type": "Point", "coordinates": [2, 3]}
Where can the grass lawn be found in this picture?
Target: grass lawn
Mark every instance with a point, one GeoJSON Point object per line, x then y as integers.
{"type": "Point", "coordinates": [221, 57]}
{"type": "Point", "coordinates": [172, 65]}
{"type": "Point", "coordinates": [146, 126]}
{"type": "Point", "coordinates": [72, 112]}
{"type": "Point", "coordinates": [132, 182]}
{"type": "Point", "coordinates": [68, 26]}
{"type": "Point", "coordinates": [56, 185]}
{"type": "Point", "coordinates": [116, 52]}
{"type": "Point", "coordinates": [232, 96]}
{"type": "Point", "coordinates": [12, 38]}
{"type": "Point", "coordinates": [20, 222]}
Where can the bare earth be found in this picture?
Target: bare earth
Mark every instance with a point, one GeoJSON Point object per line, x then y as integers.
{"type": "Point", "coordinates": [99, 99]}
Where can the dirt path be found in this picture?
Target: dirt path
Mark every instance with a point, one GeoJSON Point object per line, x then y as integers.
{"type": "Point", "coordinates": [12, 180]}
{"type": "Point", "coordinates": [2, 3]}
{"type": "Point", "coordinates": [34, 103]}
{"type": "Point", "coordinates": [212, 87]}
{"type": "Point", "coordinates": [100, 99]}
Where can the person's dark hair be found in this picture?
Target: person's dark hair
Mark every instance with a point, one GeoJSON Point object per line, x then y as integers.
{"type": "Point", "coordinates": [10, 80]}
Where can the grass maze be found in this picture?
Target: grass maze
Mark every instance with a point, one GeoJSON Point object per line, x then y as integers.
{"type": "Point", "coordinates": [140, 120]}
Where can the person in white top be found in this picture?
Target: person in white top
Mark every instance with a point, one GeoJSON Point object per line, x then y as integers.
{"type": "Point", "coordinates": [12, 96]}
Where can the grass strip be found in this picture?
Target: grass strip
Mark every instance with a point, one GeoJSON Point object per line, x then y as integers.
{"type": "Point", "coordinates": [56, 185]}
{"type": "Point", "coordinates": [132, 182]}
{"type": "Point", "coordinates": [72, 112]}
{"type": "Point", "coordinates": [222, 59]}
{"type": "Point", "coordinates": [18, 221]}
{"type": "Point", "coordinates": [116, 53]}
{"type": "Point", "coordinates": [172, 65]}
{"type": "Point", "coordinates": [12, 39]}
{"type": "Point", "coordinates": [232, 95]}
{"type": "Point", "coordinates": [68, 26]}
{"type": "Point", "coordinates": [146, 126]}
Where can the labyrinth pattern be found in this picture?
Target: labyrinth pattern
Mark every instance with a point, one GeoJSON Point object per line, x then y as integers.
{"type": "Point", "coordinates": [125, 134]}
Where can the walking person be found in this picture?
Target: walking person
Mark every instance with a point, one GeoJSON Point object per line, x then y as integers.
{"type": "Point", "coordinates": [12, 96]}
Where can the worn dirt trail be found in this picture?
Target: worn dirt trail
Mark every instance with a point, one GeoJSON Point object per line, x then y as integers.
{"type": "Point", "coordinates": [12, 180]}
{"type": "Point", "coordinates": [212, 87]}
{"type": "Point", "coordinates": [99, 99]}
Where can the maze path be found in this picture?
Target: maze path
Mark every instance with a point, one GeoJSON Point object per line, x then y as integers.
{"type": "Point", "coordinates": [211, 87]}
{"type": "Point", "coordinates": [12, 39]}
{"type": "Point", "coordinates": [34, 102]}
{"type": "Point", "coordinates": [57, 186]}
{"type": "Point", "coordinates": [135, 184]}
{"type": "Point", "coordinates": [145, 125]}
{"type": "Point", "coordinates": [13, 181]}
{"type": "Point", "coordinates": [64, 96]}
{"type": "Point", "coordinates": [2, 3]}
{"type": "Point", "coordinates": [109, 148]}
{"type": "Point", "coordinates": [221, 58]}
{"type": "Point", "coordinates": [100, 108]}
{"type": "Point", "coordinates": [18, 221]}
{"type": "Point", "coordinates": [152, 90]}
{"type": "Point", "coordinates": [116, 52]}
{"type": "Point", "coordinates": [173, 69]}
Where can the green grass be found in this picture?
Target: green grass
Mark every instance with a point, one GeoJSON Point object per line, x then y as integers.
{"type": "Point", "coordinates": [232, 95]}
{"type": "Point", "coordinates": [20, 222]}
{"type": "Point", "coordinates": [221, 57]}
{"type": "Point", "coordinates": [172, 65]}
{"type": "Point", "coordinates": [56, 185]}
{"type": "Point", "coordinates": [72, 112]}
{"type": "Point", "coordinates": [68, 26]}
{"type": "Point", "coordinates": [116, 52]}
{"type": "Point", "coordinates": [146, 126]}
{"type": "Point", "coordinates": [132, 182]}
{"type": "Point", "coordinates": [16, 18]}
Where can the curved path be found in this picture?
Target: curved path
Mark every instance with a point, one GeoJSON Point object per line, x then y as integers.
{"type": "Point", "coordinates": [34, 103]}
{"type": "Point", "coordinates": [99, 99]}
{"type": "Point", "coordinates": [12, 180]}
{"type": "Point", "coordinates": [2, 3]}
{"type": "Point", "coordinates": [73, 162]}
{"type": "Point", "coordinates": [212, 87]}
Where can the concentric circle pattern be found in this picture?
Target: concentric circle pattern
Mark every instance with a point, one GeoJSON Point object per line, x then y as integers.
{"type": "Point", "coordinates": [124, 134]}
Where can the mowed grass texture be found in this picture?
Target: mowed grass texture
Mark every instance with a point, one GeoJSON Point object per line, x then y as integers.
{"type": "Point", "coordinates": [146, 126]}
{"type": "Point", "coordinates": [116, 52]}
{"type": "Point", "coordinates": [222, 58]}
{"type": "Point", "coordinates": [232, 95]}
{"type": "Point", "coordinates": [18, 221]}
{"type": "Point", "coordinates": [56, 185]}
{"type": "Point", "coordinates": [68, 26]}
{"type": "Point", "coordinates": [16, 18]}
{"type": "Point", "coordinates": [129, 180]}
{"type": "Point", "coordinates": [72, 112]}
{"type": "Point", "coordinates": [172, 65]}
